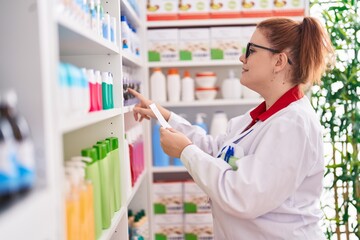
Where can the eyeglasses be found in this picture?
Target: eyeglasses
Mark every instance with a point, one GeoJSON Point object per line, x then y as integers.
{"type": "Point", "coordinates": [247, 54]}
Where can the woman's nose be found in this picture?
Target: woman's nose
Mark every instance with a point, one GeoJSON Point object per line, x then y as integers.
{"type": "Point", "coordinates": [242, 58]}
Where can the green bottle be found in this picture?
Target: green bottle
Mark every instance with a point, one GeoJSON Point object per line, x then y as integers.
{"type": "Point", "coordinates": [105, 86]}
{"type": "Point", "coordinates": [115, 159]}
{"type": "Point", "coordinates": [92, 173]}
{"type": "Point", "coordinates": [110, 176]}
{"type": "Point", "coordinates": [105, 184]}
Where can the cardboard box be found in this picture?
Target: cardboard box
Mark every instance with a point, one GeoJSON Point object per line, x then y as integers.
{"type": "Point", "coordinates": [163, 45]}
{"type": "Point", "coordinates": [194, 9]}
{"type": "Point", "coordinates": [257, 8]}
{"type": "Point", "coordinates": [168, 198]}
{"type": "Point", "coordinates": [195, 200]}
{"type": "Point", "coordinates": [226, 43]}
{"type": "Point", "coordinates": [289, 7]}
{"type": "Point", "coordinates": [162, 10]}
{"type": "Point", "coordinates": [194, 44]}
{"type": "Point", "coordinates": [225, 9]}
{"type": "Point", "coordinates": [198, 226]}
{"type": "Point", "coordinates": [168, 227]}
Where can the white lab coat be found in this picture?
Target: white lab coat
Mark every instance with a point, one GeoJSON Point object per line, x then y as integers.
{"type": "Point", "coordinates": [275, 192]}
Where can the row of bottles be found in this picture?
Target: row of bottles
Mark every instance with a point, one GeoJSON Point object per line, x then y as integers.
{"type": "Point", "coordinates": [174, 89]}
{"type": "Point", "coordinates": [91, 15]}
{"type": "Point", "coordinates": [130, 81]}
{"type": "Point", "coordinates": [138, 225]}
{"type": "Point", "coordinates": [161, 159]}
{"type": "Point", "coordinates": [84, 90]}
{"type": "Point", "coordinates": [17, 155]}
{"type": "Point", "coordinates": [101, 166]}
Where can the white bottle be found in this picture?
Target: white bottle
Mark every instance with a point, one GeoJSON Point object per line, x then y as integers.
{"type": "Point", "coordinates": [187, 88]}
{"type": "Point", "coordinates": [231, 87]}
{"type": "Point", "coordinates": [218, 124]}
{"type": "Point", "coordinates": [158, 86]}
{"type": "Point", "coordinates": [173, 85]}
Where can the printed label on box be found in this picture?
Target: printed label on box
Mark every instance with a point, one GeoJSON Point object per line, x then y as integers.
{"type": "Point", "coordinates": [168, 198]}
{"type": "Point", "coordinates": [226, 43]}
{"type": "Point", "coordinates": [168, 227]}
{"type": "Point", "coordinates": [194, 44]}
{"type": "Point", "coordinates": [198, 226]}
{"type": "Point", "coordinates": [225, 8]}
{"type": "Point", "coordinates": [195, 200]}
{"type": "Point", "coordinates": [256, 8]}
{"type": "Point", "coordinates": [194, 9]}
{"type": "Point", "coordinates": [162, 10]}
{"type": "Point", "coordinates": [163, 45]}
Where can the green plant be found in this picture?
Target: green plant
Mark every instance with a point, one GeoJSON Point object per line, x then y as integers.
{"type": "Point", "coordinates": [336, 100]}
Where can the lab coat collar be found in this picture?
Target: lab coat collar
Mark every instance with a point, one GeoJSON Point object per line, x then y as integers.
{"type": "Point", "coordinates": [292, 95]}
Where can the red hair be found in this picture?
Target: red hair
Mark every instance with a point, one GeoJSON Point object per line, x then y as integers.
{"type": "Point", "coordinates": [307, 44]}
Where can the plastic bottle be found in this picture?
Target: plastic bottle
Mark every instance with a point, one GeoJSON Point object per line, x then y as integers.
{"type": "Point", "coordinates": [75, 78]}
{"type": "Point", "coordinates": [125, 35]}
{"type": "Point", "coordinates": [64, 86]}
{"type": "Point", "coordinates": [200, 121]}
{"type": "Point", "coordinates": [99, 90]}
{"type": "Point", "coordinates": [218, 124]}
{"type": "Point", "coordinates": [105, 90]}
{"type": "Point", "coordinates": [173, 85]}
{"type": "Point", "coordinates": [72, 205]}
{"type": "Point", "coordinates": [161, 159]}
{"type": "Point", "coordinates": [231, 87]}
{"type": "Point", "coordinates": [111, 90]}
{"type": "Point", "coordinates": [187, 88]}
{"type": "Point", "coordinates": [106, 26]}
{"type": "Point", "coordinates": [113, 30]}
{"type": "Point", "coordinates": [85, 91]}
{"type": "Point", "coordinates": [92, 90]}
{"type": "Point", "coordinates": [24, 147]}
{"type": "Point", "coordinates": [158, 86]}
{"type": "Point", "coordinates": [114, 155]}
{"type": "Point", "coordinates": [9, 176]}
{"type": "Point", "coordinates": [127, 165]}
{"type": "Point", "coordinates": [92, 173]}
{"type": "Point", "coordinates": [105, 184]}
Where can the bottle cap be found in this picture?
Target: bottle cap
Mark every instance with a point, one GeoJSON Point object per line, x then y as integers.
{"type": "Point", "coordinates": [173, 71]}
{"type": "Point", "coordinates": [157, 69]}
{"type": "Point", "coordinates": [186, 74]}
{"type": "Point", "coordinates": [114, 143]}
{"type": "Point", "coordinates": [91, 153]}
{"type": "Point", "coordinates": [101, 150]}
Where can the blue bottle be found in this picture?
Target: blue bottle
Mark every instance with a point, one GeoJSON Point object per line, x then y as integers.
{"type": "Point", "coordinates": [200, 121]}
{"type": "Point", "coordinates": [160, 158]}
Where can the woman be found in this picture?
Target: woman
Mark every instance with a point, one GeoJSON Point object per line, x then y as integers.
{"type": "Point", "coordinates": [264, 176]}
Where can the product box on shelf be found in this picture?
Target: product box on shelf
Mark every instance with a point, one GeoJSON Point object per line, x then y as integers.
{"type": "Point", "coordinates": [162, 10]}
{"type": "Point", "coordinates": [168, 197]}
{"type": "Point", "coordinates": [256, 8]}
{"type": "Point", "coordinates": [194, 9]}
{"type": "Point", "coordinates": [198, 226]}
{"type": "Point", "coordinates": [225, 9]}
{"type": "Point", "coordinates": [168, 227]}
{"type": "Point", "coordinates": [194, 44]}
{"type": "Point", "coordinates": [195, 200]}
{"type": "Point", "coordinates": [245, 36]}
{"type": "Point", "coordinates": [226, 43]}
{"type": "Point", "coordinates": [163, 45]}
{"type": "Point", "coordinates": [289, 8]}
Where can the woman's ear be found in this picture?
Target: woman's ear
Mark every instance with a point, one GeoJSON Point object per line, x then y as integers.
{"type": "Point", "coordinates": [281, 61]}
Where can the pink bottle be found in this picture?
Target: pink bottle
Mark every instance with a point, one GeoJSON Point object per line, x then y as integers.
{"type": "Point", "coordinates": [99, 89]}
{"type": "Point", "coordinates": [93, 90]}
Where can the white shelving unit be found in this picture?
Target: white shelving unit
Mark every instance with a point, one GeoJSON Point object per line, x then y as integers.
{"type": "Point", "coordinates": [40, 38]}
{"type": "Point", "coordinates": [195, 64]}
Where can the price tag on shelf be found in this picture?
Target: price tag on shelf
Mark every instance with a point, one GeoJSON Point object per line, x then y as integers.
{"type": "Point", "coordinates": [159, 116]}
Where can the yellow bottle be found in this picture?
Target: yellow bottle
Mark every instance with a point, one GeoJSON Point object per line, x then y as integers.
{"type": "Point", "coordinates": [72, 207]}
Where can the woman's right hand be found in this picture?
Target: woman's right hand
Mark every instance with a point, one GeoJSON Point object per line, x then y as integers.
{"type": "Point", "coordinates": [144, 110]}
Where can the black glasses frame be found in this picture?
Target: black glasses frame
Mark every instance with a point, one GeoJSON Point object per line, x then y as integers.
{"type": "Point", "coordinates": [247, 54]}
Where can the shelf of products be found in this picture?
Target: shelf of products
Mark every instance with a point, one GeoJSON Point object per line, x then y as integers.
{"type": "Point", "coordinates": [75, 39]}
{"type": "Point", "coordinates": [208, 22]}
{"type": "Point", "coordinates": [217, 102]}
{"type": "Point", "coordinates": [86, 119]}
{"type": "Point", "coordinates": [196, 64]}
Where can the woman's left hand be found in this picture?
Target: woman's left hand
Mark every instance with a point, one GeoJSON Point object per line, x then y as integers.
{"type": "Point", "coordinates": [173, 142]}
